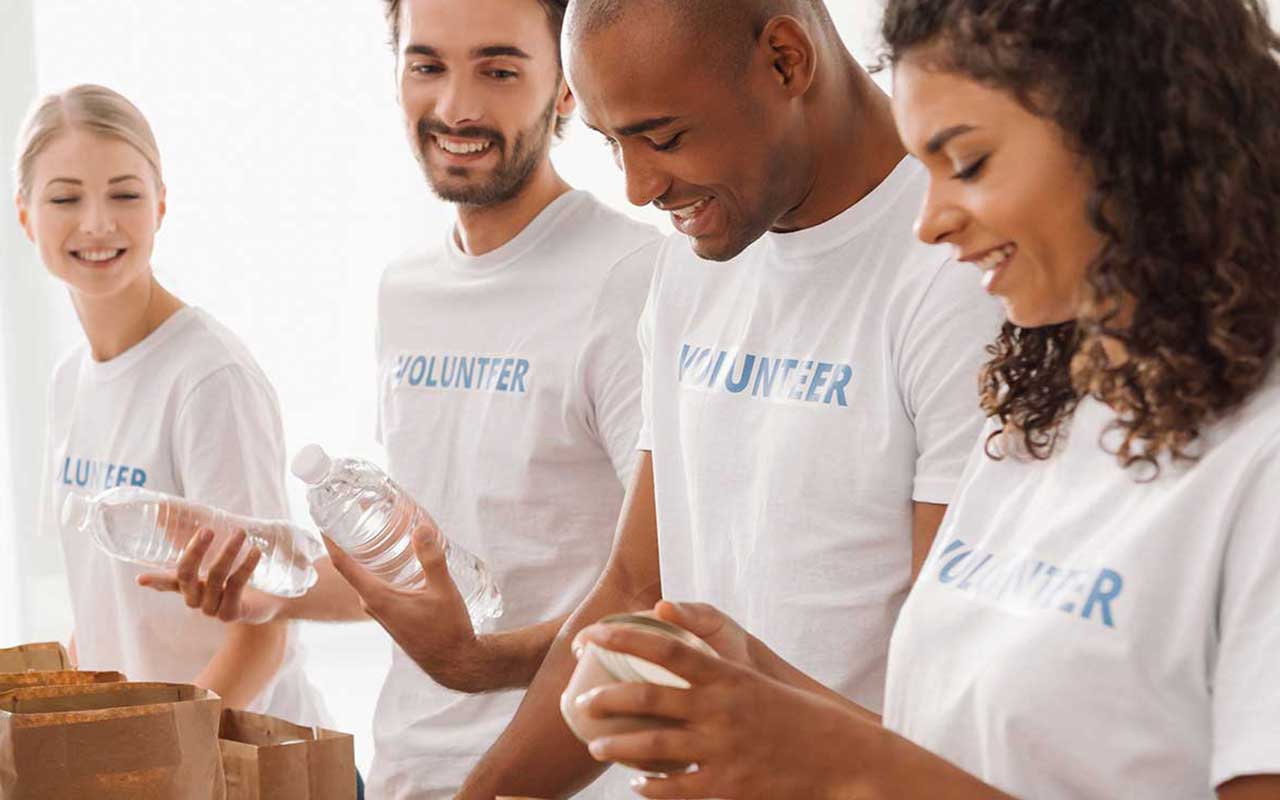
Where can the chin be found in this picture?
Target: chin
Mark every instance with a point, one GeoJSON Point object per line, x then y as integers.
{"type": "Point", "coordinates": [1035, 315]}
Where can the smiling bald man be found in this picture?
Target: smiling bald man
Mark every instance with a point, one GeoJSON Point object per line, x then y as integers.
{"type": "Point", "coordinates": [810, 368]}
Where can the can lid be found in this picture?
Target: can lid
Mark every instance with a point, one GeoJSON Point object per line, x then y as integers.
{"type": "Point", "coordinates": [76, 510]}
{"type": "Point", "coordinates": [633, 669]}
{"type": "Point", "coordinates": [311, 464]}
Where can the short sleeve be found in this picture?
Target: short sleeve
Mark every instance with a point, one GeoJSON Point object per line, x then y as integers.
{"type": "Point", "coordinates": [1246, 674]}
{"type": "Point", "coordinates": [611, 364]}
{"type": "Point", "coordinates": [228, 445]}
{"type": "Point", "coordinates": [941, 355]}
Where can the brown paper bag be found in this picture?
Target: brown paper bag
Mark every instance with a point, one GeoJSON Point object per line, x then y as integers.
{"type": "Point", "coordinates": [43, 657]}
{"type": "Point", "coordinates": [21, 680]}
{"type": "Point", "coordinates": [110, 741]}
{"type": "Point", "coordinates": [266, 758]}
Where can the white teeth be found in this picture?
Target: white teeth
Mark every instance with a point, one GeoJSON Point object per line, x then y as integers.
{"type": "Point", "coordinates": [997, 257]}
{"type": "Point", "coordinates": [99, 255]}
{"type": "Point", "coordinates": [689, 211]}
{"type": "Point", "coordinates": [466, 148]}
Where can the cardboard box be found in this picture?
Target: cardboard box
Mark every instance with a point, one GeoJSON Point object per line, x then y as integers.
{"type": "Point", "coordinates": [110, 741]}
{"type": "Point", "coordinates": [43, 657]}
{"type": "Point", "coordinates": [266, 758]}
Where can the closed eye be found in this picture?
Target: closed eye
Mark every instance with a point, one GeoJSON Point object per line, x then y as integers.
{"type": "Point", "coordinates": [973, 171]}
{"type": "Point", "coordinates": [670, 144]}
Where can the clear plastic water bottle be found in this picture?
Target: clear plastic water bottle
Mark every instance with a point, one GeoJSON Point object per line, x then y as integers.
{"type": "Point", "coordinates": [372, 518]}
{"type": "Point", "coordinates": [153, 529]}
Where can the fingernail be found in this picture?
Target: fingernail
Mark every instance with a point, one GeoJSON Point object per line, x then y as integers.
{"type": "Point", "coordinates": [638, 782]}
{"type": "Point", "coordinates": [596, 748]}
{"type": "Point", "coordinates": [586, 697]}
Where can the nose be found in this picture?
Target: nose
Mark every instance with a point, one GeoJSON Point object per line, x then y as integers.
{"type": "Point", "coordinates": [458, 104]}
{"type": "Point", "coordinates": [645, 182]}
{"type": "Point", "coordinates": [940, 220]}
{"type": "Point", "coordinates": [96, 219]}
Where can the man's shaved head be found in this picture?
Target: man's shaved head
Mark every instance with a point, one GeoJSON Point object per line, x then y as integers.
{"type": "Point", "coordinates": [730, 21]}
{"type": "Point", "coordinates": [707, 105]}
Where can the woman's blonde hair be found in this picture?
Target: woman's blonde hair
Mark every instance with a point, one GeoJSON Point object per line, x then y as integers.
{"type": "Point", "coordinates": [95, 109]}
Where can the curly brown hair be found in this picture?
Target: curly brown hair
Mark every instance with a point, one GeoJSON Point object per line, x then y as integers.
{"type": "Point", "coordinates": [1174, 105]}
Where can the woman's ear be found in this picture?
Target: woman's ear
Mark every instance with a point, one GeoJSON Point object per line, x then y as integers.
{"type": "Point", "coordinates": [24, 216]}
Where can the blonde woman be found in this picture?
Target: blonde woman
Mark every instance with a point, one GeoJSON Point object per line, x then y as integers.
{"type": "Point", "coordinates": [159, 395]}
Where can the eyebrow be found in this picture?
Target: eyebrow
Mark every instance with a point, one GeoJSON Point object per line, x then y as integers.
{"type": "Point", "coordinates": [941, 138]}
{"type": "Point", "coordinates": [78, 182]}
{"type": "Point", "coordinates": [485, 51]}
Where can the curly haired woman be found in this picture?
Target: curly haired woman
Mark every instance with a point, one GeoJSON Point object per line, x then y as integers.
{"type": "Point", "coordinates": [1100, 613]}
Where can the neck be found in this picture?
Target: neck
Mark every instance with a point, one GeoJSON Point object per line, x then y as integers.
{"type": "Point", "coordinates": [483, 229]}
{"type": "Point", "coordinates": [854, 144]}
{"type": "Point", "coordinates": [117, 322]}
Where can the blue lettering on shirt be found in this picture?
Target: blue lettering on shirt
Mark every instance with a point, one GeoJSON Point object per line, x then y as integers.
{"type": "Point", "coordinates": [1025, 582]}
{"type": "Point", "coordinates": [764, 377]}
{"type": "Point", "coordinates": [490, 374]}
{"type": "Point", "coordinates": [96, 476]}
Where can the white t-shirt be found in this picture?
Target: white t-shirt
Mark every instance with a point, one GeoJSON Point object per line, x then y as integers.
{"type": "Point", "coordinates": [1080, 633]}
{"type": "Point", "coordinates": [187, 412]}
{"type": "Point", "coordinates": [797, 400]}
{"type": "Point", "coordinates": [509, 405]}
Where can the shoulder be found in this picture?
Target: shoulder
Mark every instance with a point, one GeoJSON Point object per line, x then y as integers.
{"type": "Point", "coordinates": [211, 353]}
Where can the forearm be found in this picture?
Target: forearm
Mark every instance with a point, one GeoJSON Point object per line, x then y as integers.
{"type": "Point", "coordinates": [537, 755]}
{"type": "Point", "coordinates": [331, 599]}
{"type": "Point", "coordinates": [510, 659]}
{"type": "Point", "coordinates": [249, 658]}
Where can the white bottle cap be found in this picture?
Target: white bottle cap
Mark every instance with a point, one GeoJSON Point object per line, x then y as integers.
{"type": "Point", "coordinates": [75, 511]}
{"type": "Point", "coordinates": [312, 464]}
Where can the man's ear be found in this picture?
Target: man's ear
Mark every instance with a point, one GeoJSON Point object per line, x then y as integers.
{"type": "Point", "coordinates": [792, 54]}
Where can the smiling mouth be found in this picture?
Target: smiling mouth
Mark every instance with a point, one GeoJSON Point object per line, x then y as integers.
{"type": "Point", "coordinates": [99, 255]}
{"type": "Point", "coordinates": [461, 147]}
{"type": "Point", "coordinates": [691, 210]}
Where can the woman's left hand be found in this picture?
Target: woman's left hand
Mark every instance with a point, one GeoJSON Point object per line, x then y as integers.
{"type": "Point", "coordinates": [749, 735]}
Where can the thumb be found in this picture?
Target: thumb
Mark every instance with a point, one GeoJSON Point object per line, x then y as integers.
{"type": "Point", "coordinates": [428, 545]}
{"type": "Point", "coordinates": [699, 619]}
{"type": "Point", "coordinates": [361, 579]}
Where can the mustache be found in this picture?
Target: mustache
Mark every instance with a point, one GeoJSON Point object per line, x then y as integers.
{"type": "Point", "coordinates": [429, 126]}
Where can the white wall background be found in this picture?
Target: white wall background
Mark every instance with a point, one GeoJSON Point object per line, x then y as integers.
{"type": "Point", "coordinates": [290, 186]}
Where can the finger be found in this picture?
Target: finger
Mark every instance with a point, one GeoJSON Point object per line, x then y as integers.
{"type": "Point", "coordinates": [215, 581]}
{"type": "Point", "coordinates": [694, 666]}
{"type": "Point", "coordinates": [362, 580]}
{"type": "Point", "coordinates": [230, 609]}
{"type": "Point", "coordinates": [189, 567]}
{"type": "Point", "coordinates": [686, 786]}
{"type": "Point", "coordinates": [640, 700]}
{"type": "Point", "coordinates": [428, 546]}
{"type": "Point", "coordinates": [159, 581]}
{"type": "Point", "coordinates": [699, 619]}
{"type": "Point", "coordinates": [677, 745]}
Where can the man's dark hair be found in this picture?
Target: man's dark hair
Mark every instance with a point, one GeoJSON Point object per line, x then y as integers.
{"type": "Point", "coordinates": [555, 20]}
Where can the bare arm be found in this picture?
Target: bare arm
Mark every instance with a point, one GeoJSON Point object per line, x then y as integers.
{"type": "Point", "coordinates": [538, 755]}
{"type": "Point", "coordinates": [249, 657]}
{"type": "Point", "coordinates": [331, 600]}
{"type": "Point", "coordinates": [926, 518]}
{"type": "Point", "coordinates": [1253, 787]}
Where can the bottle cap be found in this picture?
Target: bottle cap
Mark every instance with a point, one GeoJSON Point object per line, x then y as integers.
{"type": "Point", "coordinates": [312, 464]}
{"type": "Point", "coordinates": [76, 510]}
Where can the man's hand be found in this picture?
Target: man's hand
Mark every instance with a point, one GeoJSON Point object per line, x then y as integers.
{"type": "Point", "coordinates": [224, 593]}
{"type": "Point", "coordinates": [430, 624]}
